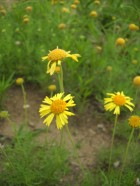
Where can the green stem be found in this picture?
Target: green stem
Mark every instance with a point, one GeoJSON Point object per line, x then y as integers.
{"type": "Point", "coordinates": [112, 141]}
{"type": "Point", "coordinates": [60, 79]}
{"type": "Point", "coordinates": [25, 103]}
{"type": "Point", "coordinates": [61, 85]}
{"type": "Point", "coordinates": [75, 151]}
{"type": "Point", "coordinates": [126, 153]}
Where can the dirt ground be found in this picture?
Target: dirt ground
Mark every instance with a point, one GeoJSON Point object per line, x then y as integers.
{"type": "Point", "coordinates": [88, 129]}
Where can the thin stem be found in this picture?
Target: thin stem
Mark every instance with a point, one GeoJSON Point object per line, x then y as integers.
{"type": "Point", "coordinates": [126, 153]}
{"type": "Point", "coordinates": [75, 151]}
{"type": "Point", "coordinates": [61, 85]}
{"type": "Point", "coordinates": [25, 103]}
{"type": "Point", "coordinates": [112, 141]}
{"type": "Point", "coordinates": [60, 79]}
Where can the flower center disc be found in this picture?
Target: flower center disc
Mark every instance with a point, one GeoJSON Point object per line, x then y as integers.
{"type": "Point", "coordinates": [119, 100]}
{"type": "Point", "coordinates": [58, 106]}
{"type": "Point", "coordinates": [57, 54]}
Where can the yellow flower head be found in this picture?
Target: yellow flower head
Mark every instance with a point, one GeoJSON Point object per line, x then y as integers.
{"type": "Point", "coordinates": [120, 41]}
{"type": "Point", "coordinates": [73, 6]}
{"type": "Point", "coordinates": [62, 26]}
{"type": "Point", "coordinates": [134, 61]}
{"type": "Point", "coordinates": [136, 81]}
{"type": "Point", "coordinates": [76, 2]}
{"type": "Point", "coordinates": [97, 2]}
{"type": "Point", "coordinates": [109, 68]}
{"type": "Point", "coordinates": [93, 14]}
{"type": "Point", "coordinates": [19, 81]}
{"type": "Point", "coordinates": [29, 8]}
{"type": "Point", "coordinates": [133, 27]}
{"type": "Point", "coordinates": [3, 12]}
{"type": "Point", "coordinates": [57, 106]}
{"type": "Point", "coordinates": [65, 10]}
{"type": "Point", "coordinates": [56, 56]}
{"type": "Point", "coordinates": [116, 101]}
{"type": "Point", "coordinates": [26, 20]}
{"type": "Point", "coordinates": [52, 87]}
{"type": "Point", "coordinates": [134, 121]}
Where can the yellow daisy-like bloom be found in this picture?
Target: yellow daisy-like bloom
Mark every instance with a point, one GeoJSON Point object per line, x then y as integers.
{"type": "Point", "coordinates": [57, 106]}
{"type": "Point", "coordinates": [134, 121]}
{"type": "Point", "coordinates": [55, 58]}
{"type": "Point", "coordinates": [116, 101]}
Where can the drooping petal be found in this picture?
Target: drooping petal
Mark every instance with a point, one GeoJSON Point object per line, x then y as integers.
{"type": "Point", "coordinates": [44, 58]}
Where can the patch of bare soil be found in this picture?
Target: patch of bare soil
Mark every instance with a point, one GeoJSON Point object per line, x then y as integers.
{"type": "Point", "coordinates": [88, 129]}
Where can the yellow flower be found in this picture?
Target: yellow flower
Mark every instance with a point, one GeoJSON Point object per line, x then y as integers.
{"type": "Point", "coordinates": [116, 101]}
{"type": "Point", "coordinates": [133, 27]}
{"type": "Point", "coordinates": [62, 26]}
{"type": "Point", "coordinates": [136, 81]}
{"type": "Point", "coordinates": [29, 8]}
{"type": "Point", "coordinates": [3, 12]}
{"type": "Point", "coordinates": [97, 2]}
{"type": "Point", "coordinates": [19, 81]}
{"type": "Point", "coordinates": [52, 87]}
{"type": "Point", "coordinates": [93, 14]}
{"type": "Point", "coordinates": [73, 6]}
{"type": "Point", "coordinates": [109, 68]}
{"type": "Point", "coordinates": [65, 10]}
{"type": "Point", "coordinates": [26, 20]}
{"type": "Point", "coordinates": [57, 106]}
{"type": "Point", "coordinates": [56, 56]}
{"type": "Point", "coordinates": [134, 61]}
{"type": "Point", "coordinates": [134, 121]}
{"type": "Point", "coordinates": [120, 41]}
{"type": "Point", "coordinates": [76, 2]}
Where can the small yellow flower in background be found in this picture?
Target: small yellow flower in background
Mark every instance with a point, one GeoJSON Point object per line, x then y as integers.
{"type": "Point", "coordinates": [57, 69]}
{"type": "Point", "coordinates": [19, 81]}
{"type": "Point", "coordinates": [134, 61]}
{"type": "Point", "coordinates": [65, 10]}
{"type": "Point", "coordinates": [93, 14]}
{"type": "Point", "coordinates": [97, 2]}
{"type": "Point", "coordinates": [52, 87]}
{"type": "Point", "coordinates": [116, 101]}
{"type": "Point", "coordinates": [56, 56]}
{"type": "Point", "coordinates": [62, 26]}
{"type": "Point", "coordinates": [134, 121]}
{"type": "Point", "coordinates": [109, 68]}
{"type": "Point", "coordinates": [4, 114]}
{"type": "Point", "coordinates": [76, 2]}
{"type": "Point", "coordinates": [113, 18]}
{"type": "Point", "coordinates": [120, 41]}
{"type": "Point", "coordinates": [73, 6]}
{"type": "Point", "coordinates": [54, 2]}
{"type": "Point", "coordinates": [3, 12]}
{"type": "Point", "coordinates": [136, 81]}
{"type": "Point", "coordinates": [98, 48]}
{"type": "Point", "coordinates": [26, 20]}
{"type": "Point", "coordinates": [133, 27]}
{"type": "Point", "coordinates": [29, 8]}
{"type": "Point", "coordinates": [57, 106]}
